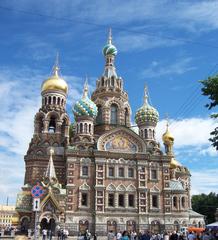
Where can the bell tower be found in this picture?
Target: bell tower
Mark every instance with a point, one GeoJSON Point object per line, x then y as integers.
{"type": "Point", "coordinates": [51, 129]}
{"type": "Point", "coordinates": [109, 96]}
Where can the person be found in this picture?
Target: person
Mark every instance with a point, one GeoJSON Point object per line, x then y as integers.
{"type": "Point", "coordinates": [44, 234]}
{"type": "Point", "coordinates": [110, 235]}
{"type": "Point", "coordinates": [50, 234]}
{"type": "Point", "coordinates": [174, 236]}
{"type": "Point", "coordinates": [95, 237]}
{"type": "Point", "coordinates": [87, 235]}
{"type": "Point", "coordinates": [133, 235]}
{"type": "Point", "coordinates": [166, 236]}
{"type": "Point", "coordinates": [191, 236]}
{"type": "Point", "coordinates": [145, 236]}
{"type": "Point", "coordinates": [119, 235]}
{"type": "Point", "coordinates": [125, 235]}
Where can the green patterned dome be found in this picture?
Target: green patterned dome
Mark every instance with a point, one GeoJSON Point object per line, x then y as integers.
{"type": "Point", "coordinates": [109, 49]}
{"type": "Point", "coordinates": [146, 113]}
{"type": "Point", "coordinates": [85, 106]}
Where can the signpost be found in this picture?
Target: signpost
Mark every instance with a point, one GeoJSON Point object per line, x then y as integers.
{"type": "Point", "coordinates": [37, 192]}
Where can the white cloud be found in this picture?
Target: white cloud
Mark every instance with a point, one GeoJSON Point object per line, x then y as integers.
{"type": "Point", "coordinates": [204, 181]}
{"type": "Point", "coordinates": [189, 132]}
{"type": "Point", "coordinates": [157, 69]}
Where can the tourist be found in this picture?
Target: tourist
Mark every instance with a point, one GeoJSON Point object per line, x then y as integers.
{"type": "Point", "coordinates": [125, 236]}
{"type": "Point", "coordinates": [174, 236]}
{"type": "Point", "coordinates": [191, 236]}
{"type": "Point", "coordinates": [44, 234]}
{"type": "Point", "coordinates": [110, 235]}
{"type": "Point", "coordinates": [119, 235]}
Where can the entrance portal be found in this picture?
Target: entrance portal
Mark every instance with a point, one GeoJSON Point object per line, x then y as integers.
{"type": "Point", "coordinates": [48, 225]}
{"type": "Point", "coordinates": [44, 224]}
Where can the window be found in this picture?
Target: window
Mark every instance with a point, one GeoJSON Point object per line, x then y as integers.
{"type": "Point", "coordinates": [131, 200]}
{"type": "Point", "coordinates": [126, 116]}
{"type": "Point", "coordinates": [52, 125]}
{"type": "Point", "coordinates": [121, 200]}
{"type": "Point", "coordinates": [99, 116]}
{"type": "Point", "coordinates": [85, 171]}
{"type": "Point", "coordinates": [121, 172]}
{"type": "Point", "coordinates": [84, 199]}
{"type": "Point", "coordinates": [130, 172]}
{"type": "Point", "coordinates": [146, 133]}
{"type": "Point", "coordinates": [183, 202]}
{"type": "Point", "coordinates": [111, 172]}
{"type": "Point", "coordinates": [113, 114]}
{"type": "Point", "coordinates": [175, 202]}
{"type": "Point", "coordinates": [153, 174]}
{"type": "Point", "coordinates": [111, 200]}
{"type": "Point", "coordinates": [154, 201]}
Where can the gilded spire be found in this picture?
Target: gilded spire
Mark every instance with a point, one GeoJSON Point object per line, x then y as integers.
{"type": "Point", "coordinates": [50, 171]}
{"type": "Point", "coordinates": [85, 88]}
{"type": "Point", "coordinates": [56, 67]}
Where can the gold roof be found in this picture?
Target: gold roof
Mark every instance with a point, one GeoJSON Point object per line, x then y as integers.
{"type": "Point", "coordinates": [167, 136]}
{"type": "Point", "coordinates": [55, 82]}
{"type": "Point", "coordinates": [174, 163]}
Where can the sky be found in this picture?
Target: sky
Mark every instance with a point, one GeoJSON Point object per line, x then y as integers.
{"type": "Point", "coordinates": [168, 45]}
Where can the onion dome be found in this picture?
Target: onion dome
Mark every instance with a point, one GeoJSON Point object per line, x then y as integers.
{"type": "Point", "coordinates": [167, 137]}
{"type": "Point", "coordinates": [146, 113]}
{"type": "Point", "coordinates": [174, 163]}
{"type": "Point", "coordinates": [109, 49]}
{"type": "Point", "coordinates": [55, 82]}
{"type": "Point", "coordinates": [85, 106]}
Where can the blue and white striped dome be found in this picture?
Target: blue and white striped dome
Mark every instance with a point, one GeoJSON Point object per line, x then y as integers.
{"type": "Point", "coordinates": [85, 106]}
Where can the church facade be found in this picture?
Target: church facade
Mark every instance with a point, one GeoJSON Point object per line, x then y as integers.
{"type": "Point", "coordinates": [98, 173]}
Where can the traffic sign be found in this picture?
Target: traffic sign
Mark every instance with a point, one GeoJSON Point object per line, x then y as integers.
{"type": "Point", "coordinates": [37, 191]}
{"type": "Point", "coordinates": [36, 204]}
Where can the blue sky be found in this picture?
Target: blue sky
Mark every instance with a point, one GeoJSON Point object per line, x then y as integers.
{"type": "Point", "coordinates": [168, 45]}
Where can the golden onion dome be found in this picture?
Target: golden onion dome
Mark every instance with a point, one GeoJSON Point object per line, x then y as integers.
{"type": "Point", "coordinates": [55, 82]}
{"type": "Point", "coordinates": [15, 220]}
{"type": "Point", "coordinates": [174, 163]}
{"type": "Point", "coordinates": [168, 137]}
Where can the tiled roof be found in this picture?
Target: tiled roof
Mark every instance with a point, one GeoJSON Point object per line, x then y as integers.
{"type": "Point", "coordinates": [176, 185]}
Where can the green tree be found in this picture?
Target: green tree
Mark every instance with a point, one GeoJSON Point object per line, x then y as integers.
{"type": "Point", "coordinates": [210, 89]}
{"type": "Point", "coordinates": [206, 205]}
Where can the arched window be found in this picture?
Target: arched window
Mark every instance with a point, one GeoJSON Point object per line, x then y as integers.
{"type": "Point", "coordinates": [85, 128]}
{"type": "Point", "coordinates": [59, 101]}
{"type": "Point", "coordinates": [77, 128]}
{"type": "Point", "coordinates": [150, 133]}
{"type": "Point", "coordinates": [112, 81]}
{"type": "Point", "coordinates": [99, 116]}
{"type": "Point", "coordinates": [183, 202]}
{"type": "Point", "coordinates": [54, 100]}
{"type": "Point", "coordinates": [46, 101]}
{"type": "Point", "coordinates": [113, 114]}
{"type": "Point", "coordinates": [62, 102]}
{"type": "Point", "coordinates": [81, 127]}
{"type": "Point", "coordinates": [126, 116]}
{"type": "Point", "coordinates": [49, 100]}
{"type": "Point", "coordinates": [52, 125]}
{"type": "Point", "coordinates": [89, 128]}
{"type": "Point", "coordinates": [146, 133]}
{"type": "Point", "coordinates": [175, 202]}
{"type": "Point", "coordinates": [141, 133]}
{"type": "Point", "coordinates": [153, 133]}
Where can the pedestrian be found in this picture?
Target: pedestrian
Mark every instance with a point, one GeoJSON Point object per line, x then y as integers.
{"type": "Point", "coordinates": [119, 235]}
{"type": "Point", "coordinates": [110, 235]}
{"type": "Point", "coordinates": [44, 234]}
{"type": "Point", "coordinates": [50, 234]}
{"type": "Point", "coordinates": [95, 237]}
{"type": "Point", "coordinates": [125, 235]}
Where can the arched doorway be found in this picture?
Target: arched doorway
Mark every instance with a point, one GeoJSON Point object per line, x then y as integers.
{"type": "Point", "coordinates": [24, 224]}
{"type": "Point", "coordinates": [176, 226]}
{"type": "Point", "coordinates": [44, 224]}
{"type": "Point", "coordinates": [155, 227]}
{"type": "Point", "coordinates": [52, 225]}
{"type": "Point", "coordinates": [111, 226]}
{"type": "Point", "coordinates": [83, 226]}
{"type": "Point", "coordinates": [131, 226]}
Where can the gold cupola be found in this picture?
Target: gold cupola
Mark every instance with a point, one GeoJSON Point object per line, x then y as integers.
{"type": "Point", "coordinates": [55, 82]}
{"type": "Point", "coordinates": [167, 137]}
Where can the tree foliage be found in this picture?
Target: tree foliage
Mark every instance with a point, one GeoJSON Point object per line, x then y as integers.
{"type": "Point", "coordinates": [210, 89]}
{"type": "Point", "coordinates": [206, 205]}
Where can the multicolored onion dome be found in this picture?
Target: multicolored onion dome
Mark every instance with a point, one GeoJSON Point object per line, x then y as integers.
{"type": "Point", "coordinates": [146, 113]}
{"type": "Point", "coordinates": [109, 49]}
{"type": "Point", "coordinates": [85, 106]}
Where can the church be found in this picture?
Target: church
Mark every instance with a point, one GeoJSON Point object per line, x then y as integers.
{"type": "Point", "coordinates": [97, 173]}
